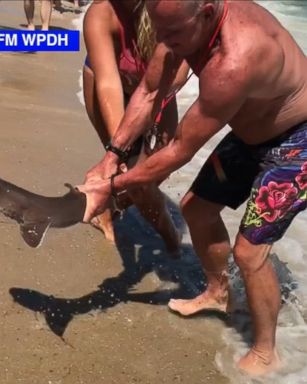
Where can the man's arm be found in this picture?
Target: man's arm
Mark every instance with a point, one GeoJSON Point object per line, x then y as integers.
{"type": "Point", "coordinates": [222, 93]}
{"type": "Point", "coordinates": [161, 74]}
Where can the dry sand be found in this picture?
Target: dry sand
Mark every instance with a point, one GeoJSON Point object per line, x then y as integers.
{"type": "Point", "coordinates": [84, 317]}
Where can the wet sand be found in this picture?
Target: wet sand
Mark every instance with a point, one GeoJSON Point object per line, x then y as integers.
{"type": "Point", "coordinates": [84, 311]}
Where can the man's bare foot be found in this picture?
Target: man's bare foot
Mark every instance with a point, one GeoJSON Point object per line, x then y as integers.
{"type": "Point", "coordinates": [31, 27]}
{"type": "Point", "coordinates": [104, 223]}
{"type": "Point", "coordinates": [256, 363]}
{"type": "Point", "coordinates": [205, 301]}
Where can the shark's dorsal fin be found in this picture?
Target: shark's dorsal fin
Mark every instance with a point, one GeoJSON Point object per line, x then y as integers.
{"type": "Point", "coordinates": [34, 233]}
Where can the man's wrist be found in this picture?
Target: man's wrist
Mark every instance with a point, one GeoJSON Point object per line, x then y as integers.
{"type": "Point", "coordinates": [111, 158]}
{"type": "Point", "coordinates": [119, 153]}
{"type": "Point", "coordinates": [112, 186]}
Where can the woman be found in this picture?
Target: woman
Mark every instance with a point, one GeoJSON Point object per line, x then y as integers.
{"type": "Point", "coordinates": [120, 42]}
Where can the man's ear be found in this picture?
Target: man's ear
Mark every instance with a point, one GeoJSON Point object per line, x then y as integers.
{"type": "Point", "coordinates": [208, 11]}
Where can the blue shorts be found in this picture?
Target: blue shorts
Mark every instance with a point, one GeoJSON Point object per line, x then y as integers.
{"type": "Point", "coordinates": [272, 176]}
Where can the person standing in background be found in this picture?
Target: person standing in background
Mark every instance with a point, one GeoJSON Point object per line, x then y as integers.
{"type": "Point", "coordinates": [46, 9]}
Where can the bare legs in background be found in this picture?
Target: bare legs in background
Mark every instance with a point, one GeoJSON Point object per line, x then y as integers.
{"type": "Point", "coordinates": [45, 13]}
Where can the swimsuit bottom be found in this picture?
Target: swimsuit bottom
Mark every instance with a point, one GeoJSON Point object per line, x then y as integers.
{"type": "Point", "coordinates": [271, 176]}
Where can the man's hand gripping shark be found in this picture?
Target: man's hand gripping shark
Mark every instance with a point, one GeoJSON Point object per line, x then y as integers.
{"type": "Point", "coordinates": [36, 213]}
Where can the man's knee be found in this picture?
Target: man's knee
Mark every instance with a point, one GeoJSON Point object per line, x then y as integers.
{"type": "Point", "coordinates": [193, 207]}
{"type": "Point", "coordinates": [249, 257]}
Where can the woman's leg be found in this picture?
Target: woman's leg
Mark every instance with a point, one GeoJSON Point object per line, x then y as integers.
{"type": "Point", "coordinates": [29, 11]}
{"type": "Point", "coordinates": [150, 200]}
{"type": "Point", "coordinates": [103, 221]}
{"type": "Point", "coordinates": [46, 10]}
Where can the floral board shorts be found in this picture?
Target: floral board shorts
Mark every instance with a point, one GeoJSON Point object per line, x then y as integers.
{"type": "Point", "coordinates": [271, 175]}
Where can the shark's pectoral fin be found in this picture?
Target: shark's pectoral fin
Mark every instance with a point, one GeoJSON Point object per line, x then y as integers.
{"type": "Point", "coordinates": [34, 233]}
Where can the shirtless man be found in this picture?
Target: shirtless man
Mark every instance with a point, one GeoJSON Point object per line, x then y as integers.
{"type": "Point", "coordinates": [253, 76]}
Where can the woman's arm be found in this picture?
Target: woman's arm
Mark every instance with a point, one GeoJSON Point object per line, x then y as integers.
{"type": "Point", "coordinates": [99, 30]}
{"type": "Point", "coordinates": [147, 98]}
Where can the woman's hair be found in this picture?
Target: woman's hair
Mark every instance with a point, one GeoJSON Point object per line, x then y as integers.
{"type": "Point", "coordinates": [146, 37]}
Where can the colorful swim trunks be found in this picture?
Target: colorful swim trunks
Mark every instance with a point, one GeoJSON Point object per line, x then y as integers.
{"type": "Point", "coordinates": [271, 175]}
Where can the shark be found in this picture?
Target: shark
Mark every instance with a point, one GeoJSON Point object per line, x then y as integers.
{"type": "Point", "coordinates": [35, 213]}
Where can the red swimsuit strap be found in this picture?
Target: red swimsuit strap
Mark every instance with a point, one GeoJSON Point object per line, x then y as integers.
{"type": "Point", "coordinates": [122, 36]}
{"type": "Point", "coordinates": [125, 28]}
{"type": "Point", "coordinates": [137, 60]}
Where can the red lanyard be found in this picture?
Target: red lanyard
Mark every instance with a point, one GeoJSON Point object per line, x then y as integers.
{"type": "Point", "coordinates": [210, 45]}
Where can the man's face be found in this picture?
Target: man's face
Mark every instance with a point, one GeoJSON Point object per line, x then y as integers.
{"type": "Point", "coordinates": [179, 31]}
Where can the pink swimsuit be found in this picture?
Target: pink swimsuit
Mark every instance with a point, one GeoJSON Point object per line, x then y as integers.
{"type": "Point", "coordinates": [130, 65]}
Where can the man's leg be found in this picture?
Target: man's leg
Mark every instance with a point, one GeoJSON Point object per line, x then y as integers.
{"type": "Point", "coordinates": [264, 301]}
{"type": "Point", "coordinates": [225, 178]}
{"type": "Point", "coordinates": [277, 196]}
{"type": "Point", "coordinates": [46, 9]}
{"type": "Point", "coordinates": [211, 243]}
{"type": "Point", "coordinates": [29, 11]}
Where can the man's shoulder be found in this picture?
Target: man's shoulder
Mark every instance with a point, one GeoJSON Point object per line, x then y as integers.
{"type": "Point", "coordinates": [249, 59]}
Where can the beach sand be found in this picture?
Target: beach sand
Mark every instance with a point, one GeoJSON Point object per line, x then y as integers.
{"type": "Point", "coordinates": [84, 312]}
